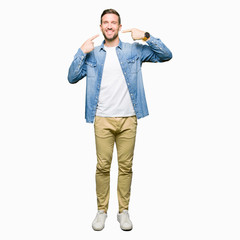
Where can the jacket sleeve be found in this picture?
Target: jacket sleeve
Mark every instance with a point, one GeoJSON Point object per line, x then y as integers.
{"type": "Point", "coordinates": [155, 51]}
{"type": "Point", "coordinates": [77, 70]}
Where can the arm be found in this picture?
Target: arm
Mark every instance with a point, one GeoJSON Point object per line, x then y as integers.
{"type": "Point", "coordinates": [155, 51]}
{"type": "Point", "coordinates": [78, 70]}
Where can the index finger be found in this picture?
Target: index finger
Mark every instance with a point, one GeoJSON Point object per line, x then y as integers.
{"type": "Point", "coordinates": [95, 36]}
{"type": "Point", "coordinates": [127, 30]}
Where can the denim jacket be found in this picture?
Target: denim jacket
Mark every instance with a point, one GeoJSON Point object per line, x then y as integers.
{"type": "Point", "coordinates": [131, 57]}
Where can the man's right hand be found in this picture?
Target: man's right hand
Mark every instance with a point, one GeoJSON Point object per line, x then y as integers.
{"type": "Point", "coordinates": [88, 46]}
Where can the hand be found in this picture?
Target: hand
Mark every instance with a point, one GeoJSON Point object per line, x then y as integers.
{"type": "Point", "coordinates": [88, 46]}
{"type": "Point", "coordinates": [135, 33]}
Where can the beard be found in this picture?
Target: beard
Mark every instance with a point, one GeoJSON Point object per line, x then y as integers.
{"type": "Point", "coordinates": [112, 38]}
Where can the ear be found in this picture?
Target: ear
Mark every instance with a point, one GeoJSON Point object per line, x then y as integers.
{"type": "Point", "coordinates": [120, 27]}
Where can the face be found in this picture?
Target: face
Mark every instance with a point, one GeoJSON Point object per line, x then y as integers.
{"type": "Point", "coordinates": [110, 26]}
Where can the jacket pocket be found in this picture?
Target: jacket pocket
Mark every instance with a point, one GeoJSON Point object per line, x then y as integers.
{"type": "Point", "coordinates": [134, 64]}
{"type": "Point", "coordinates": [91, 68]}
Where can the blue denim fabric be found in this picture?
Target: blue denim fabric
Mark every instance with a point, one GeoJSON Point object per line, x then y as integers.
{"type": "Point", "coordinates": [131, 57]}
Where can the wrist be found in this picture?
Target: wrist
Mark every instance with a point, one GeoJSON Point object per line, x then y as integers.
{"type": "Point", "coordinates": [146, 36]}
{"type": "Point", "coordinates": [83, 50]}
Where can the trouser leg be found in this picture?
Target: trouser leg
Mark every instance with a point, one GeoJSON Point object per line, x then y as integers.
{"type": "Point", "coordinates": [125, 142]}
{"type": "Point", "coordinates": [105, 139]}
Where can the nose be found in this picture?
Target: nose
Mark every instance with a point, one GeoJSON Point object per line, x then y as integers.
{"type": "Point", "coordinates": [109, 26]}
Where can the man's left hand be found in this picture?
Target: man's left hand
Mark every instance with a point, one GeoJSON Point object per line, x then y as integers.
{"type": "Point", "coordinates": [135, 33]}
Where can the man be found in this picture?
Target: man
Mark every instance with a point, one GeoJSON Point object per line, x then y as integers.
{"type": "Point", "coordinates": [115, 99]}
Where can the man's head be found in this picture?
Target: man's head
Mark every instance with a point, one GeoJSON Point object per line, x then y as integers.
{"type": "Point", "coordinates": [110, 24]}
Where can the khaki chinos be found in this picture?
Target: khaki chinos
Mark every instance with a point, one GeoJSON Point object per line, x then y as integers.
{"type": "Point", "coordinates": [122, 131]}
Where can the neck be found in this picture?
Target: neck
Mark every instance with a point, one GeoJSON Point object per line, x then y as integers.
{"type": "Point", "coordinates": [113, 43]}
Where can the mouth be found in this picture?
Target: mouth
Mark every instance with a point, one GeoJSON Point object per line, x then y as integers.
{"type": "Point", "coordinates": [109, 32]}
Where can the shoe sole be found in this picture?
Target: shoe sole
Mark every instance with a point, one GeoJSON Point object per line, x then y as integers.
{"type": "Point", "coordinates": [126, 230]}
{"type": "Point", "coordinates": [97, 229]}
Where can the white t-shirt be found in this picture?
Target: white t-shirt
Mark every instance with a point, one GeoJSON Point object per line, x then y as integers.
{"type": "Point", "coordinates": [114, 98]}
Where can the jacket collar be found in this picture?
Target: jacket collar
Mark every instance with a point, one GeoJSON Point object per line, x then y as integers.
{"type": "Point", "coordinates": [102, 45]}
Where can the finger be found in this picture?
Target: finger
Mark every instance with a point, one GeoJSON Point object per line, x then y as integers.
{"type": "Point", "coordinates": [127, 30]}
{"type": "Point", "coordinates": [95, 36]}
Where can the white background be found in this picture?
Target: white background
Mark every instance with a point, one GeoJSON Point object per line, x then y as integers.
{"type": "Point", "coordinates": [186, 166]}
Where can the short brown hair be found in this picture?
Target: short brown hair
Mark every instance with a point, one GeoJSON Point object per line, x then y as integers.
{"type": "Point", "coordinates": [110, 10]}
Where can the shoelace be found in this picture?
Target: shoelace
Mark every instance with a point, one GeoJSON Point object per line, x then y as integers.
{"type": "Point", "coordinates": [125, 216]}
{"type": "Point", "coordinates": [99, 216]}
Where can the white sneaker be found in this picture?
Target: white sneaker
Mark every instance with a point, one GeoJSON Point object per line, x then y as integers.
{"type": "Point", "coordinates": [124, 220]}
{"type": "Point", "coordinates": [99, 221]}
